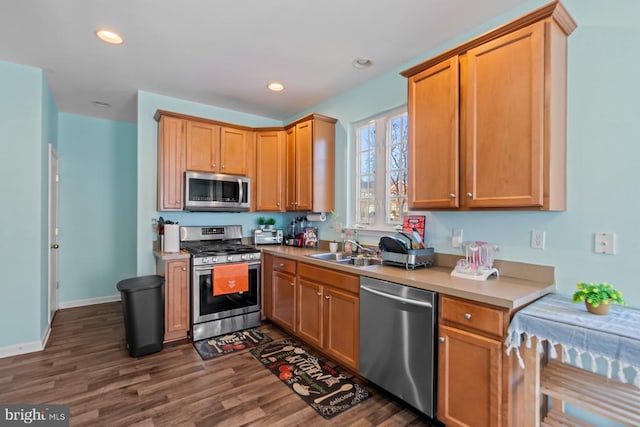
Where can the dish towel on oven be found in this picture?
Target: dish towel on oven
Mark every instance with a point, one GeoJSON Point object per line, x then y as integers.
{"type": "Point", "coordinates": [555, 319]}
{"type": "Point", "coordinates": [230, 278]}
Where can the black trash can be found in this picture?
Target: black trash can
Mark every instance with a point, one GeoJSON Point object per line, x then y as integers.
{"type": "Point", "coordinates": [143, 311]}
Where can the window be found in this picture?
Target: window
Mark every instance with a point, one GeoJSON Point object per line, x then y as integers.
{"type": "Point", "coordinates": [381, 151]}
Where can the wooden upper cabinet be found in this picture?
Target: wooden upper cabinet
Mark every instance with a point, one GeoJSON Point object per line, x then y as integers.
{"type": "Point", "coordinates": [504, 132]}
{"type": "Point", "coordinates": [291, 169]}
{"type": "Point", "coordinates": [171, 163]}
{"type": "Point", "coordinates": [212, 148]}
{"type": "Point", "coordinates": [300, 167]}
{"type": "Point", "coordinates": [488, 119]}
{"type": "Point", "coordinates": [233, 151]}
{"type": "Point", "coordinates": [203, 141]}
{"type": "Point", "coordinates": [310, 165]}
{"type": "Point", "coordinates": [270, 173]}
{"type": "Point", "coordinates": [434, 137]}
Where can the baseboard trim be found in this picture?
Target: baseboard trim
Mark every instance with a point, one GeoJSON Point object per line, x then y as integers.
{"type": "Point", "coordinates": [89, 301]}
{"type": "Point", "coordinates": [24, 348]}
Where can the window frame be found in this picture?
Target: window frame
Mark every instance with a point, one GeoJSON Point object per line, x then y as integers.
{"type": "Point", "coordinates": [382, 152]}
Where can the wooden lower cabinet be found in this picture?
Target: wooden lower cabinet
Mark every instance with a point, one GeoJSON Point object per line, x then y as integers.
{"type": "Point", "coordinates": [478, 384]}
{"type": "Point", "coordinates": [176, 299]}
{"type": "Point", "coordinates": [310, 312]}
{"type": "Point", "coordinates": [283, 293]}
{"type": "Point", "coordinates": [342, 314]}
{"type": "Point", "coordinates": [469, 379]}
{"type": "Point", "coordinates": [320, 306]}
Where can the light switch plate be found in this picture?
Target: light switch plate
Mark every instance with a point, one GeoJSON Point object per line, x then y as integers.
{"type": "Point", "coordinates": [605, 243]}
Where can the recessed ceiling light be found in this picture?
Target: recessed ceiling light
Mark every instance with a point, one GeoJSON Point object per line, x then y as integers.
{"type": "Point", "coordinates": [275, 86]}
{"type": "Point", "coordinates": [109, 36]}
{"type": "Point", "coordinates": [101, 104]}
{"type": "Point", "coordinates": [361, 63]}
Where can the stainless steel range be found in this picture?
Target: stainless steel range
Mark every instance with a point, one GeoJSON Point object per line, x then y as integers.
{"type": "Point", "coordinates": [225, 280]}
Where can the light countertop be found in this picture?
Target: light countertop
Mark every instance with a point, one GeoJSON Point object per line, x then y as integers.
{"type": "Point", "coordinates": [518, 284]}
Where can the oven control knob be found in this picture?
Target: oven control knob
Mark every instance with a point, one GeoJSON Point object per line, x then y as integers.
{"type": "Point", "coordinates": [212, 260]}
{"type": "Point", "coordinates": [244, 257]}
{"type": "Point", "coordinates": [230, 258]}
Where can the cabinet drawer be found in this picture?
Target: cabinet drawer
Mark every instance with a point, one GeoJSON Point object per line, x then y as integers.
{"type": "Point", "coordinates": [284, 265]}
{"type": "Point", "coordinates": [337, 279]}
{"type": "Point", "coordinates": [473, 315]}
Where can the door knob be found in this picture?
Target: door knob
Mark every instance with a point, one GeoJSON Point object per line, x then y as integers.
{"type": "Point", "coordinates": [55, 246]}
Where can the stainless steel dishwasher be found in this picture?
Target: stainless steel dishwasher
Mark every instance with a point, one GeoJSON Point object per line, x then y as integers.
{"type": "Point", "coordinates": [397, 341]}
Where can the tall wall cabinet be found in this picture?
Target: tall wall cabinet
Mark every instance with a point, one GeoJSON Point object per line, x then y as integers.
{"type": "Point", "coordinates": [487, 119]}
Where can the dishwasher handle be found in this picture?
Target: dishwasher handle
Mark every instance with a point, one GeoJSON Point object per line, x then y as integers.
{"type": "Point", "coordinates": [397, 298]}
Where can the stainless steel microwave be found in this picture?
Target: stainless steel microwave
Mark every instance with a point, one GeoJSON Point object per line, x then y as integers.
{"type": "Point", "coordinates": [214, 192]}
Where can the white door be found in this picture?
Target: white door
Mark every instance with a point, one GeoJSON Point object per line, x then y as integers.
{"type": "Point", "coordinates": [54, 179]}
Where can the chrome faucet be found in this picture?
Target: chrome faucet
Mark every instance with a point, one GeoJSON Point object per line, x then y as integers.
{"type": "Point", "coordinates": [366, 251]}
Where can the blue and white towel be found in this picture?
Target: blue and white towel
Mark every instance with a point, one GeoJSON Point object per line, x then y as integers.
{"type": "Point", "coordinates": [555, 319]}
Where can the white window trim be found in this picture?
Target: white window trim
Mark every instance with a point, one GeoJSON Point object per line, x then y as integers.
{"type": "Point", "coordinates": [380, 228]}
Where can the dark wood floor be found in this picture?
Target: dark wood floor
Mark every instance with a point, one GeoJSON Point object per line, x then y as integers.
{"type": "Point", "coordinates": [86, 365]}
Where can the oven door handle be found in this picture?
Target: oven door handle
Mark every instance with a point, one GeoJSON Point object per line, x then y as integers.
{"type": "Point", "coordinates": [240, 192]}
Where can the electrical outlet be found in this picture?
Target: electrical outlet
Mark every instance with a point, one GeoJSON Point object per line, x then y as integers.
{"type": "Point", "coordinates": [456, 237]}
{"type": "Point", "coordinates": [537, 239]}
{"type": "Point", "coordinates": [605, 243]}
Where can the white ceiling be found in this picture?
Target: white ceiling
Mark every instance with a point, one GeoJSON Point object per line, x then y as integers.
{"type": "Point", "coordinates": [224, 52]}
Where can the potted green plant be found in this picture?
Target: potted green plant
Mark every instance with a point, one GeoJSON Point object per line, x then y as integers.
{"type": "Point", "coordinates": [597, 297]}
{"type": "Point", "coordinates": [262, 221]}
{"type": "Point", "coordinates": [270, 222]}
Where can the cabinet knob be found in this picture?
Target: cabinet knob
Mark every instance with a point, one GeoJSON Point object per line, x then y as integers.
{"type": "Point", "coordinates": [213, 165]}
{"type": "Point", "coordinates": [222, 166]}
{"type": "Point", "coordinates": [469, 195]}
{"type": "Point", "coordinates": [184, 268]}
{"type": "Point", "coordinates": [292, 284]}
{"type": "Point", "coordinates": [467, 316]}
{"type": "Point", "coordinates": [441, 339]}
{"type": "Point", "coordinates": [327, 297]}
{"type": "Point", "coordinates": [281, 265]}
{"type": "Point", "coordinates": [319, 294]}
{"type": "Point", "coordinates": [452, 196]}
{"type": "Point", "coordinates": [278, 204]}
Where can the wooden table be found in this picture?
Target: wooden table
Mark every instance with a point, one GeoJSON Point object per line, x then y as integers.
{"type": "Point", "coordinates": [559, 337]}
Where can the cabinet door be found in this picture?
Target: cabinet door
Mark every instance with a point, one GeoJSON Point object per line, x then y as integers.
{"type": "Point", "coordinates": [504, 121]}
{"type": "Point", "coordinates": [284, 300]}
{"type": "Point", "coordinates": [310, 312]}
{"type": "Point", "coordinates": [469, 379]}
{"type": "Point", "coordinates": [171, 163]}
{"type": "Point", "coordinates": [203, 140]}
{"type": "Point", "coordinates": [233, 151]}
{"type": "Point", "coordinates": [269, 183]}
{"type": "Point", "coordinates": [176, 292]}
{"type": "Point", "coordinates": [433, 156]}
{"type": "Point", "coordinates": [304, 165]}
{"type": "Point", "coordinates": [342, 317]}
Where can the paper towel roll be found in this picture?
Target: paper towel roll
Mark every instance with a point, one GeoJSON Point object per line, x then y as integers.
{"type": "Point", "coordinates": [171, 238]}
{"type": "Point", "coordinates": [319, 217]}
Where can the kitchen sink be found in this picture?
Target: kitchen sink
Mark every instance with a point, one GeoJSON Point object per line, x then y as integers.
{"type": "Point", "coordinates": [329, 256]}
{"type": "Point", "coordinates": [341, 258]}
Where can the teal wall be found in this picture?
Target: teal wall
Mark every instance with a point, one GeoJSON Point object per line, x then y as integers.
{"type": "Point", "coordinates": [49, 137]}
{"type": "Point", "coordinates": [97, 206]}
{"type": "Point", "coordinates": [602, 150]}
{"type": "Point", "coordinates": [22, 155]}
{"type": "Point", "coordinates": [148, 104]}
